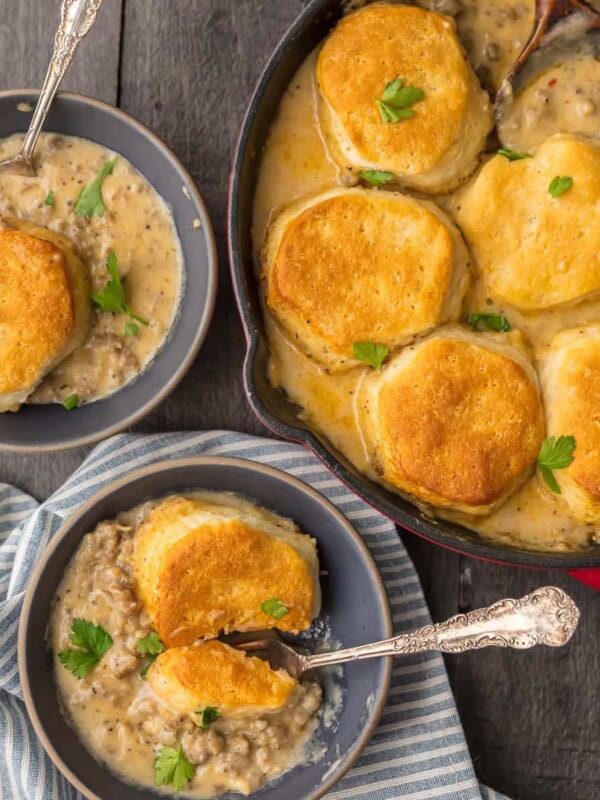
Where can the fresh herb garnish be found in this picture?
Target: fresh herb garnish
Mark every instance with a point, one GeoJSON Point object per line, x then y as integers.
{"type": "Point", "coordinates": [555, 454]}
{"type": "Point", "coordinates": [112, 297]}
{"type": "Point", "coordinates": [146, 667]}
{"type": "Point", "coordinates": [376, 177]}
{"type": "Point", "coordinates": [495, 322]}
{"type": "Point", "coordinates": [152, 647]}
{"type": "Point", "coordinates": [90, 200]}
{"type": "Point", "coordinates": [372, 354]}
{"type": "Point", "coordinates": [208, 715]}
{"type": "Point", "coordinates": [513, 155]}
{"type": "Point", "coordinates": [274, 608]}
{"type": "Point", "coordinates": [171, 768]}
{"type": "Point", "coordinates": [131, 329]}
{"type": "Point", "coordinates": [397, 99]}
{"type": "Point", "coordinates": [71, 402]}
{"type": "Point", "coordinates": [49, 200]}
{"type": "Point", "coordinates": [560, 185]}
{"type": "Point", "coordinates": [94, 642]}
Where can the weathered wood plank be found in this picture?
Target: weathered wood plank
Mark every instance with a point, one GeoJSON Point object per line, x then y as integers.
{"type": "Point", "coordinates": [26, 37]}
{"type": "Point", "coordinates": [531, 718]}
{"type": "Point", "coordinates": [188, 72]}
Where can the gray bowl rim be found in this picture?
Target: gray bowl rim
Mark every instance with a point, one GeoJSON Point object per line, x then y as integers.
{"type": "Point", "coordinates": [163, 467]}
{"type": "Point", "coordinates": [213, 270]}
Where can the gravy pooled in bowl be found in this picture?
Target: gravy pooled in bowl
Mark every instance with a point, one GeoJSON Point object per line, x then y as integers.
{"type": "Point", "coordinates": [143, 706]}
{"type": "Point", "coordinates": [117, 223]}
{"type": "Point", "coordinates": [525, 219]}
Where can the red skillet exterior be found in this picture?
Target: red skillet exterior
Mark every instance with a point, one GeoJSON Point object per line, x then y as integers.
{"type": "Point", "coordinates": [271, 406]}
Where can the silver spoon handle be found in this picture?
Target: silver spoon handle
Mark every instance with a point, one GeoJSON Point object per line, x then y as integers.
{"type": "Point", "coordinates": [546, 616]}
{"type": "Point", "coordinates": [77, 19]}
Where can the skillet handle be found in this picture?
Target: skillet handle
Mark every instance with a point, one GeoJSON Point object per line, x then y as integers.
{"type": "Point", "coordinates": [591, 577]}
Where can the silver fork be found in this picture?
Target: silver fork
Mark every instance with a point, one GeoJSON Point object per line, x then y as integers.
{"type": "Point", "coordinates": [546, 616]}
{"type": "Point", "coordinates": [76, 20]}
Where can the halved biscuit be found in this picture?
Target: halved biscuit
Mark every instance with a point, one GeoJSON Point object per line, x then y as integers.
{"type": "Point", "coordinates": [188, 679]}
{"type": "Point", "coordinates": [440, 145]}
{"type": "Point", "coordinates": [571, 388]}
{"type": "Point", "coordinates": [535, 250]}
{"type": "Point", "coordinates": [355, 265]}
{"type": "Point", "coordinates": [203, 568]}
{"type": "Point", "coordinates": [454, 420]}
{"type": "Point", "coordinates": [44, 307]}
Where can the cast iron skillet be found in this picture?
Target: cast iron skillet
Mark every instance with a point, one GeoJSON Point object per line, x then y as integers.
{"type": "Point", "coordinates": [271, 405]}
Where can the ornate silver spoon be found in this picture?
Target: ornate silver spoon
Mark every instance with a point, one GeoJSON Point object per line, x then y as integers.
{"type": "Point", "coordinates": [560, 28]}
{"type": "Point", "coordinates": [77, 19]}
{"type": "Point", "coordinates": [546, 616]}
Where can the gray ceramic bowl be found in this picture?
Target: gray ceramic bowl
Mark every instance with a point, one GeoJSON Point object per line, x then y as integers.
{"type": "Point", "coordinates": [354, 602]}
{"type": "Point", "coordinates": [51, 427]}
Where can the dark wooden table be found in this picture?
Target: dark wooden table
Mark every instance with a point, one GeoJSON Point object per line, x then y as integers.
{"type": "Point", "coordinates": [187, 68]}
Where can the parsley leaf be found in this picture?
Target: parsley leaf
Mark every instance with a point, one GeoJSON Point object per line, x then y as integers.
{"type": "Point", "coordinates": [131, 329]}
{"type": "Point", "coordinates": [171, 768]}
{"type": "Point", "coordinates": [376, 177]}
{"type": "Point", "coordinates": [112, 297]}
{"type": "Point", "coordinates": [372, 354]}
{"type": "Point", "coordinates": [79, 662]}
{"type": "Point", "coordinates": [393, 115]}
{"type": "Point", "coordinates": [49, 200]}
{"type": "Point", "coordinates": [397, 99]}
{"type": "Point", "coordinates": [208, 715]}
{"type": "Point", "coordinates": [71, 402]}
{"type": "Point", "coordinates": [274, 608]}
{"type": "Point", "coordinates": [391, 89]}
{"type": "Point", "coordinates": [90, 200]}
{"type": "Point", "coordinates": [152, 647]}
{"type": "Point", "coordinates": [495, 322]}
{"type": "Point", "coordinates": [94, 642]}
{"type": "Point", "coordinates": [146, 667]}
{"type": "Point", "coordinates": [513, 155]}
{"type": "Point", "coordinates": [555, 454]}
{"type": "Point", "coordinates": [560, 185]}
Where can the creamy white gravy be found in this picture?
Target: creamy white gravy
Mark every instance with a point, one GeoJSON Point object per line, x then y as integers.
{"type": "Point", "coordinates": [119, 718]}
{"type": "Point", "coordinates": [563, 99]}
{"type": "Point", "coordinates": [137, 226]}
{"type": "Point", "coordinates": [295, 163]}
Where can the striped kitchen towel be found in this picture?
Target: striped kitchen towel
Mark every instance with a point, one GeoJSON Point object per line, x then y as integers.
{"type": "Point", "coordinates": [419, 750]}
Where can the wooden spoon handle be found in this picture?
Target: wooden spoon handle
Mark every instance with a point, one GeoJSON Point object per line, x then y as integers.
{"type": "Point", "coordinates": [550, 12]}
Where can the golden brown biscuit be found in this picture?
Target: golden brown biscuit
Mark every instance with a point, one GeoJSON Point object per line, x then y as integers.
{"type": "Point", "coordinates": [440, 145]}
{"type": "Point", "coordinates": [571, 389]}
{"type": "Point", "coordinates": [189, 679]}
{"type": "Point", "coordinates": [202, 568]}
{"type": "Point", "coordinates": [535, 250]}
{"type": "Point", "coordinates": [44, 310]}
{"type": "Point", "coordinates": [355, 265]}
{"type": "Point", "coordinates": [455, 420]}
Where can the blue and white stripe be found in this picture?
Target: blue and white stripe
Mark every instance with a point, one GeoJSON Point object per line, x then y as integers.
{"type": "Point", "coordinates": [419, 750]}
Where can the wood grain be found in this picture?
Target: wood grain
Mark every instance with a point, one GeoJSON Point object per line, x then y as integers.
{"type": "Point", "coordinates": [188, 72]}
{"type": "Point", "coordinates": [27, 30]}
{"type": "Point", "coordinates": [532, 718]}
{"type": "Point", "coordinates": [187, 69]}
